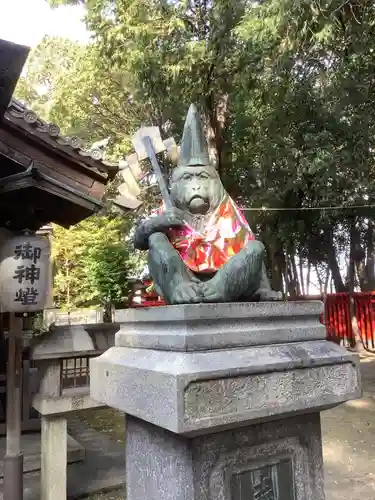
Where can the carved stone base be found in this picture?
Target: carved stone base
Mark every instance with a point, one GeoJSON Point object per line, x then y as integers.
{"type": "Point", "coordinates": [225, 399]}
{"type": "Point", "coordinates": [274, 461]}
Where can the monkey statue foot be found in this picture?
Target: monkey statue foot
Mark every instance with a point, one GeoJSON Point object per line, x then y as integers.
{"type": "Point", "coordinates": [239, 279]}
{"type": "Point", "coordinates": [186, 293]}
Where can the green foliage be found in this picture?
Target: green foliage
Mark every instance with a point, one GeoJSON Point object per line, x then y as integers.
{"type": "Point", "coordinates": [58, 3]}
{"type": "Point", "coordinates": [107, 268]}
{"type": "Point", "coordinates": [66, 84]}
{"type": "Point", "coordinates": [45, 72]}
{"type": "Point", "coordinates": [39, 326]}
{"type": "Point", "coordinates": [94, 261]}
{"type": "Point", "coordinates": [308, 116]}
{"type": "Point", "coordinates": [287, 90]}
{"type": "Point", "coordinates": [178, 51]}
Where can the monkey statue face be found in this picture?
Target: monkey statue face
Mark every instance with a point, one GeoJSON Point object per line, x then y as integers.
{"type": "Point", "coordinates": [196, 190]}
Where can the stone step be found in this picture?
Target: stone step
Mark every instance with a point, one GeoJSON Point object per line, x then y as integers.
{"type": "Point", "coordinates": [31, 447]}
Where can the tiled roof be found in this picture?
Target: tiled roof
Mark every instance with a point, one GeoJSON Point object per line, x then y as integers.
{"type": "Point", "coordinates": [22, 117]}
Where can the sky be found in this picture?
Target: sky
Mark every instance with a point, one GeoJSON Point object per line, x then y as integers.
{"type": "Point", "coordinates": [27, 21]}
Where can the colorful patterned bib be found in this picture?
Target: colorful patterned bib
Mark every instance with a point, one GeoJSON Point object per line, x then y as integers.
{"type": "Point", "coordinates": [227, 232]}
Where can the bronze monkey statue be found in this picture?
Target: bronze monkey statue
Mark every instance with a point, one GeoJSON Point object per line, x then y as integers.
{"type": "Point", "coordinates": [202, 249]}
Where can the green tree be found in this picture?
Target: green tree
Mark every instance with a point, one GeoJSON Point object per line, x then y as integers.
{"type": "Point", "coordinates": [45, 72]}
{"type": "Point", "coordinates": [178, 52]}
{"type": "Point", "coordinates": [305, 107]}
{"type": "Point", "coordinates": [65, 83]}
{"type": "Point", "coordinates": [108, 271]}
{"type": "Point", "coordinates": [94, 261]}
{"type": "Point", "coordinates": [288, 93]}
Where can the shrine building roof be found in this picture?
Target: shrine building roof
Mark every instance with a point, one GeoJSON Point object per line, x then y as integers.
{"type": "Point", "coordinates": [28, 122]}
{"type": "Point", "coordinates": [45, 176]}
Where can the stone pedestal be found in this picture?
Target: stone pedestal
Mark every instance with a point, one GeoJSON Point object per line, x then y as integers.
{"type": "Point", "coordinates": [53, 459]}
{"type": "Point", "coordinates": [224, 400]}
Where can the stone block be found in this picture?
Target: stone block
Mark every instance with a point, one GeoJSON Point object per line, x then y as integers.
{"type": "Point", "coordinates": [199, 327]}
{"type": "Point", "coordinates": [275, 460]}
{"type": "Point", "coordinates": [73, 400]}
{"type": "Point", "coordinates": [101, 342]}
{"type": "Point", "coordinates": [49, 372]}
{"type": "Point", "coordinates": [63, 342]}
{"type": "Point", "coordinates": [103, 335]}
{"type": "Point", "coordinates": [193, 392]}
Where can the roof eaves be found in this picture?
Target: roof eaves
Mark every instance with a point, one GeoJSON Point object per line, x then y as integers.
{"type": "Point", "coordinates": [93, 158]}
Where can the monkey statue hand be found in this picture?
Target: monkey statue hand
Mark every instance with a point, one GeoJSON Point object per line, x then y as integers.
{"type": "Point", "coordinates": [172, 217]}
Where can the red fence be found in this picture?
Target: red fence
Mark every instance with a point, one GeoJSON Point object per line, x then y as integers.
{"type": "Point", "coordinates": [338, 321]}
{"type": "Point", "coordinates": [143, 296]}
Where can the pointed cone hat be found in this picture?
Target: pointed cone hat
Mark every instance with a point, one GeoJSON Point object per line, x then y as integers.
{"type": "Point", "coordinates": [193, 147]}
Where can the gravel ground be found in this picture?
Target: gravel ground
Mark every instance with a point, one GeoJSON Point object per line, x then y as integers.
{"type": "Point", "coordinates": [348, 437]}
{"type": "Point", "coordinates": [112, 423]}
{"type": "Point", "coordinates": [349, 443]}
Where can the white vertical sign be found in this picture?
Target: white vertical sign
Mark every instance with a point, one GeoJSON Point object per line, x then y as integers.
{"type": "Point", "coordinates": [25, 273]}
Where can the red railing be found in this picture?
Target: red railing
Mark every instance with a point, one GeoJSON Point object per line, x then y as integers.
{"type": "Point", "coordinates": [337, 318]}
{"type": "Point", "coordinates": [365, 314]}
{"type": "Point", "coordinates": [339, 322]}
{"type": "Point", "coordinates": [142, 296]}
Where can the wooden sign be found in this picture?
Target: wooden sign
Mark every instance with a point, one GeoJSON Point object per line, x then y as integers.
{"type": "Point", "coordinates": [25, 274]}
{"type": "Point", "coordinates": [133, 163]}
{"type": "Point", "coordinates": [130, 185]}
{"type": "Point", "coordinates": [128, 202]}
{"type": "Point", "coordinates": [147, 143]}
{"type": "Point", "coordinates": [138, 142]}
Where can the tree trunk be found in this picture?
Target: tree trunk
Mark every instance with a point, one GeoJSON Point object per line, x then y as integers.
{"type": "Point", "coordinates": [326, 283]}
{"type": "Point", "coordinates": [319, 280]}
{"type": "Point", "coordinates": [217, 110]}
{"type": "Point", "coordinates": [308, 277]}
{"type": "Point", "coordinates": [286, 275]}
{"type": "Point", "coordinates": [354, 235]}
{"type": "Point", "coordinates": [357, 259]}
{"type": "Point", "coordinates": [370, 264]}
{"type": "Point", "coordinates": [295, 280]}
{"type": "Point", "coordinates": [302, 280]}
{"type": "Point", "coordinates": [277, 264]}
{"type": "Point", "coordinates": [107, 314]}
{"type": "Point", "coordinates": [333, 264]}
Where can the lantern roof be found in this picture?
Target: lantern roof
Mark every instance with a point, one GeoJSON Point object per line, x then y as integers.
{"type": "Point", "coordinates": [63, 342]}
